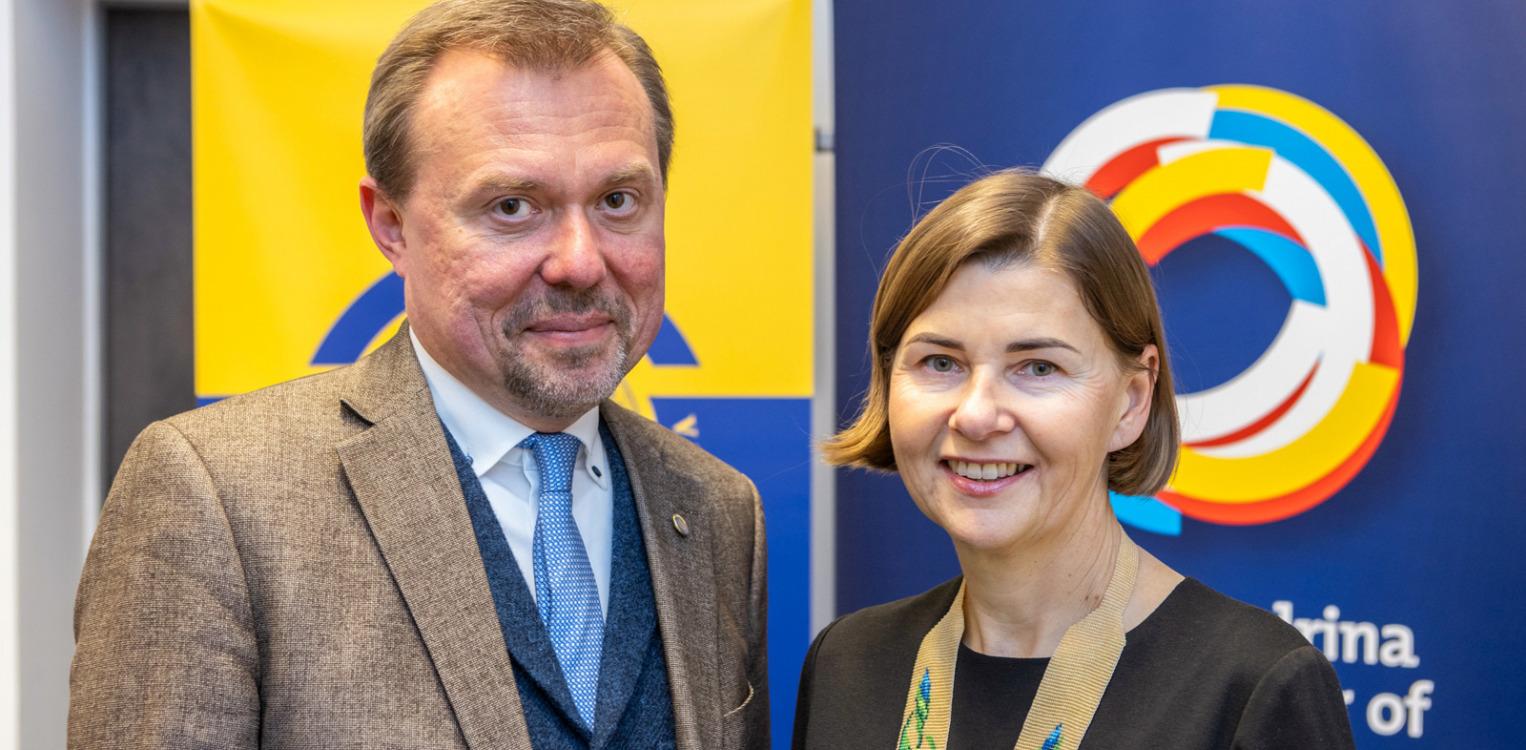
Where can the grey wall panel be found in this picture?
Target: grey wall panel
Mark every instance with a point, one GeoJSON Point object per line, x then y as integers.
{"type": "Point", "coordinates": [52, 212]}
{"type": "Point", "coordinates": [148, 293]}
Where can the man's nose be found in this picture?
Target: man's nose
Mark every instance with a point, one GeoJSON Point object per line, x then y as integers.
{"type": "Point", "coordinates": [575, 258]}
{"type": "Point", "coordinates": [984, 410]}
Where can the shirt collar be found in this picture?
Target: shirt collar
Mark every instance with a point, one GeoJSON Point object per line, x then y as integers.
{"type": "Point", "coordinates": [488, 436]}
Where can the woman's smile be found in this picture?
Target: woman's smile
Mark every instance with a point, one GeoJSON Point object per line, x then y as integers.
{"type": "Point", "coordinates": [984, 478]}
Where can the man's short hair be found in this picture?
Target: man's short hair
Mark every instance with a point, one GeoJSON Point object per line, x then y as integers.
{"type": "Point", "coordinates": [1009, 217]}
{"type": "Point", "coordinates": [545, 35]}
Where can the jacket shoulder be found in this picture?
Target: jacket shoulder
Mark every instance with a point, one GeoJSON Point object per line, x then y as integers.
{"type": "Point", "coordinates": [649, 438]}
{"type": "Point", "coordinates": [1238, 633]}
{"type": "Point", "coordinates": [307, 408]}
{"type": "Point", "coordinates": [898, 625]}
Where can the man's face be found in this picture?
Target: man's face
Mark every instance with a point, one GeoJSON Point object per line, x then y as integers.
{"type": "Point", "coordinates": [531, 244]}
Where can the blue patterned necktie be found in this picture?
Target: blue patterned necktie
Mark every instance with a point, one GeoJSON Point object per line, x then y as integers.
{"type": "Point", "coordinates": [565, 591]}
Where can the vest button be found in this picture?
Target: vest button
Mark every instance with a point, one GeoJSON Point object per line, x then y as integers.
{"type": "Point", "coordinates": [680, 524]}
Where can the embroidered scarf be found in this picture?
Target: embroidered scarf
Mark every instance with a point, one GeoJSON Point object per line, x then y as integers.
{"type": "Point", "coordinates": [1068, 694]}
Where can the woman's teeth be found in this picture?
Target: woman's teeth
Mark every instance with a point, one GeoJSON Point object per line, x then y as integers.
{"type": "Point", "coordinates": [985, 472]}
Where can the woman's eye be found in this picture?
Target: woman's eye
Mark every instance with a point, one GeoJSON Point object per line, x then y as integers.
{"type": "Point", "coordinates": [940, 363]}
{"type": "Point", "coordinates": [513, 207]}
{"type": "Point", "coordinates": [1042, 369]}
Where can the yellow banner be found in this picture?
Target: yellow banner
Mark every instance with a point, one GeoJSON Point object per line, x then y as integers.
{"type": "Point", "coordinates": [284, 264]}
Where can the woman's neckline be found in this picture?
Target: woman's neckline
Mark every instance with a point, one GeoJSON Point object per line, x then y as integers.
{"type": "Point", "coordinates": [1142, 628]}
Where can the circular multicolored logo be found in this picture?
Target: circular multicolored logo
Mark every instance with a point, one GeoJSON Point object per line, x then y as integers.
{"type": "Point", "coordinates": [1290, 183]}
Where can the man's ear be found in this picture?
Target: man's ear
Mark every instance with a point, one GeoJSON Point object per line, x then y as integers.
{"type": "Point", "coordinates": [1138, 392]}
{"type": "Point", "coordinates": [385, 221]}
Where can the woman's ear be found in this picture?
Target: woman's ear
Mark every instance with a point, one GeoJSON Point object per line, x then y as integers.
{"type": "Point", "coordinates": [1138, 392]}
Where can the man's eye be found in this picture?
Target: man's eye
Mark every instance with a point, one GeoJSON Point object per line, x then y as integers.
{"type": "Point", "coordinates": [514, 207]}
{"type": "Point", "coordinates": [619, 200]}
{"type": "Point", "coordinates": [1042, 369]}
{"type": "Point", "coordinates": [940, 363]}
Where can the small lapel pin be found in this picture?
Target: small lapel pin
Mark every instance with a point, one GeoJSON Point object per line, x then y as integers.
{"type": "Point", "coordinates": [680, 524]}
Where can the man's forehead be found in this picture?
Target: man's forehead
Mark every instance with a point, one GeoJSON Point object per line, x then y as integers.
{"type": "Point", "coordinates": [483, 122]}
{"type": "Point", "coordinates": [463, 77]}
{"type": "Point", "coordinates": [474, 99]}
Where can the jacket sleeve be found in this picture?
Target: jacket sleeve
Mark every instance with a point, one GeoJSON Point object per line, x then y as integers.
{"type": "Point", "coordinates": [1296, 704]}
{"type": "Point", "coordinates": [800, 740]}
{"type": "Point", "coordinates": [760, 720]}
{"type": "Point", "coordinates": [165, 648]}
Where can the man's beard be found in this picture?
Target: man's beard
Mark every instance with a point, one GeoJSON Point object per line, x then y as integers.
{"type": "Point", "coordinates": [559, 388]}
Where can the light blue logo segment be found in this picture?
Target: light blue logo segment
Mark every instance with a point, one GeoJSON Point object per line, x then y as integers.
{"type": "Point", "coordinates": [1147, 513]}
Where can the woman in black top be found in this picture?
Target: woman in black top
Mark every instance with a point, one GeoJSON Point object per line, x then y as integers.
{"type": "Point", "coordinates": [1020, 373]}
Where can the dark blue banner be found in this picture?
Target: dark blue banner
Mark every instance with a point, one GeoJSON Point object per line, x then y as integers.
{"type": "Point", "coordinates": [1328, 196]}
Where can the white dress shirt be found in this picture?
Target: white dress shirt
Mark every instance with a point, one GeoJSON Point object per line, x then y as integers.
{"type": "Point", "coordinates": [490, 439]}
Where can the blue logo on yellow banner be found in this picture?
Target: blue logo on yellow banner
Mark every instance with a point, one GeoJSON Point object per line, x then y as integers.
{"type": "Point", "coordinates": [1289, 183]}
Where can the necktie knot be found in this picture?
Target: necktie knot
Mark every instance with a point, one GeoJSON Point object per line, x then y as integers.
{"type": "Point", "coordinates": [555, 455]}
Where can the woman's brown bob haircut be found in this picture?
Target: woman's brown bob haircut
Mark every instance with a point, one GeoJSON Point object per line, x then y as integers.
{"type": "Point", "coordinates": [1019, 217]}
{"type": "Point", "coordinates": [542, 35]}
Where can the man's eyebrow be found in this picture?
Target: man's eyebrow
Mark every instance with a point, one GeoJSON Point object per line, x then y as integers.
{"type": "Point", "coordinates": [506, 184]}
{"type": "Point", "coordinates": [498, 184]}
{"type": "Point", "coordinates": [629, 174]}
{"type": "Point", "coordinates": [1040, 343]}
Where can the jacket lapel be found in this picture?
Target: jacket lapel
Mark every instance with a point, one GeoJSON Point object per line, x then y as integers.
{"type": "Point", "coordinates": [683, 578]}
{"type": "Point", "coordinates": [401, 472]}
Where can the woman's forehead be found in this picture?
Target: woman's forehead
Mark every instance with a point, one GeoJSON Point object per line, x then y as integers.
{"type": "Point", "coordinates": [979, 291]}
{"type": "Point", "coordinates": [1007, 308]}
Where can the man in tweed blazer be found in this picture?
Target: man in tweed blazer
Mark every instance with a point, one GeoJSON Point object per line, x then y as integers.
{"type": "Point", "coordinates": [332, 562]}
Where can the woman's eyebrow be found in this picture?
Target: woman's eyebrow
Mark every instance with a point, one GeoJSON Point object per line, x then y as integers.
{"type": "Point", "coordinates": [1041, 343]}
{"type": "Point", "coordinates": [935, 340]}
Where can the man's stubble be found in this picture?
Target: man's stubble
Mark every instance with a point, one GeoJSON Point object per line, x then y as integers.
{"type": "Point", "coordinates": [561, 388]}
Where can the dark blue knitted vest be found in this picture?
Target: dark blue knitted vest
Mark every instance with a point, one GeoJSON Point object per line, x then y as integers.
{"type": "Point", "coordinates": [635, 708]}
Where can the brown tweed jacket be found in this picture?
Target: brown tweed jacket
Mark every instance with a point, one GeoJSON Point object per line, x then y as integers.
{"type": "Point", "coordinates": [296, 568]}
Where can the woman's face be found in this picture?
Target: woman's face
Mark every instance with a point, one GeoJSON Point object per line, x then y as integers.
{"type": "Point", "coordinates": [1005, 399]}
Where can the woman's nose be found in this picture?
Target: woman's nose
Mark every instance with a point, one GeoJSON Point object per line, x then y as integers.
{"type": "Point", "coordinates": [983, 410]}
